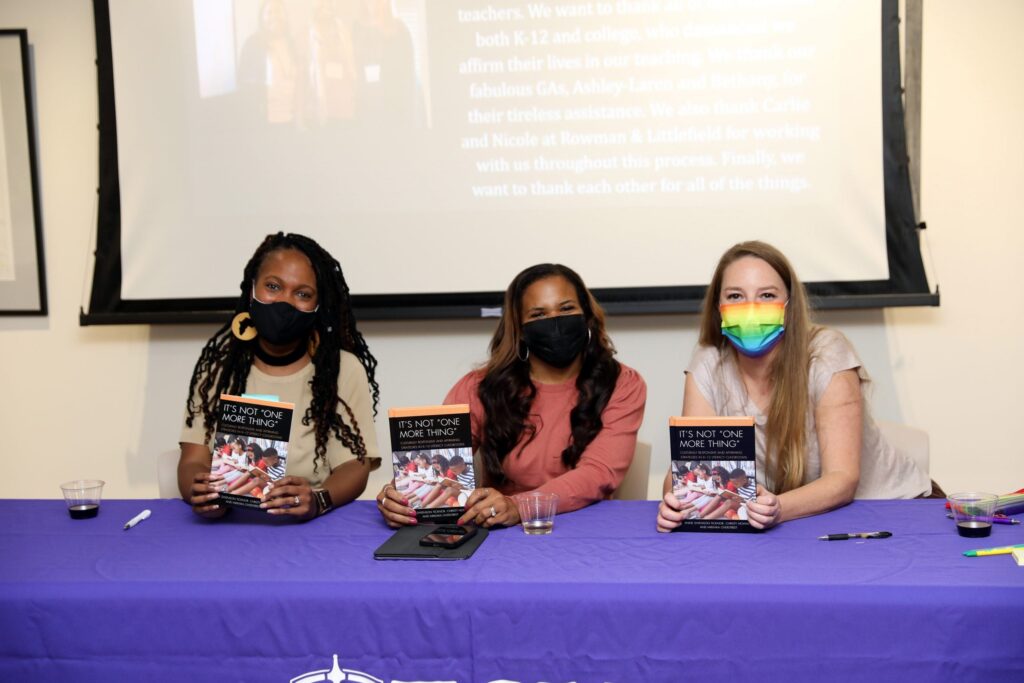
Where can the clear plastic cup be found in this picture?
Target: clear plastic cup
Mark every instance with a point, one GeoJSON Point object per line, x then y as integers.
{"type": "Point", "coordinates": [82, 497]}
{"type": "Point", "coordinates": [537, 511]}
{"type": "Point", "coordinates": [973, 512]}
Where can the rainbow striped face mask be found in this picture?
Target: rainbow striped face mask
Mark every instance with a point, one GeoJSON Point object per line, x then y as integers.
{"type": "Point", "coordinates": [753, 328]}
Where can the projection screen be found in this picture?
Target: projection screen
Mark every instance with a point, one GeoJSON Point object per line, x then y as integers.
{"type": "Point", "coordinates": [436, 148]}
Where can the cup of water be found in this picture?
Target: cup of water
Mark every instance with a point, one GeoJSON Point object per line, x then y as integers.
{"type": "Point", "coordinates": [82, 497]}
{"type": "Point", "coordinates": [537, 511]}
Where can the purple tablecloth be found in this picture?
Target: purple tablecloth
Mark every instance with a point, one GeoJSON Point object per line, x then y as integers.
{"type": "Point", "coordinates": [604, 598]}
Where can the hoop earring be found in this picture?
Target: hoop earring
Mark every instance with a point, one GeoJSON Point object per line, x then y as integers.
{"type": "Point", "coordinates": [520, 356]}
{"type": "Point", "coordinates": [242, 327]}
{"type": "Point", "coordinates": [313, 344]}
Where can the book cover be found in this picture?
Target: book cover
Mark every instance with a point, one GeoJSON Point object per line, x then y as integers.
{"type": "Point", "coordinates": [432, 457]}
{"type": "Point", "coordinates": [250, 447]}
{"type": "Point", "coordinates": [714, 471]}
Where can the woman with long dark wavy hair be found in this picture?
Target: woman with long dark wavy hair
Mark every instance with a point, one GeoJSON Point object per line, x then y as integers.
{"type": "Point", "coordinates": [551, 410]}
{"type": "Point", "coordinates": [293, 336]}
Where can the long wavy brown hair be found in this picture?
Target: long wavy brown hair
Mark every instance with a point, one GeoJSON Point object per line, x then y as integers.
{"type": "Point", "coordinates": [507, 393]}
{"type": "Point", "coordinates": [786, 429]}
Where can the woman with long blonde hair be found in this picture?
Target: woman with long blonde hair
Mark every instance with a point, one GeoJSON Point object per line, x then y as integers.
{"type": "Point", "coordinates": [759, 354]}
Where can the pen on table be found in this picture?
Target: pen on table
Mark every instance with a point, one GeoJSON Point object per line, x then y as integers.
{"type": "Point", "coordinates": [982, 552]}
{"type": "Point", "coordinates": [845, 537]}
{"type": "Point", "coordinates": [997, 519]}
{"type": "Point", "coordinates": [136, 519]}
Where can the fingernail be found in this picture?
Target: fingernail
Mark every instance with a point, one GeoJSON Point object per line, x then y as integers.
{"type": "Point", "coordinates": [412, 520]}
{"type": "Point", "coordinates": [405, 501]}
{"type": "Point", "coordinates": [263, 506]}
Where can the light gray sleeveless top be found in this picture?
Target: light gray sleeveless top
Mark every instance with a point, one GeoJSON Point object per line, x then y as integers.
{"type": "Point", "coordinates": [884, 472]}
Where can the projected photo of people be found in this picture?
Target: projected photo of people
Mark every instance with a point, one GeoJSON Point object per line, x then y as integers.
{"type": "Point", "coordinates": [437, 478]}
{"type": "Point", "coordinates": [316, 63]}
{"type": "Point", "coordinates": [717, 489]}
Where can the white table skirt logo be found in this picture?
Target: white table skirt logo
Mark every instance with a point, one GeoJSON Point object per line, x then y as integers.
{"type": "Point", "coordinates": [336, 674]}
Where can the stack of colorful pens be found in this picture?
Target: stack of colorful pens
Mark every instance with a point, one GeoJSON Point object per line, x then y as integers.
{"type": "Point", "coordinates": [1011, 503]}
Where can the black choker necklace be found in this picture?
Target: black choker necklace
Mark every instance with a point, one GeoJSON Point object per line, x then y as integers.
{"type": "Point", "coordinates": [278, 361]}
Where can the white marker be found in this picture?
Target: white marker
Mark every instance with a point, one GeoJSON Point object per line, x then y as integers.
{"type": "Point", "coordinates": [136, 519]}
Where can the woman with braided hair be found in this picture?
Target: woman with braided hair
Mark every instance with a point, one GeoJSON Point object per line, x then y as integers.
{"type": "Point", "coordinates": [293, 336]}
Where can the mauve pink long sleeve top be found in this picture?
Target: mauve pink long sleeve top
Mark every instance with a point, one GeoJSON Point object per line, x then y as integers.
{"type": "Point", "coordinates": [538, 464]}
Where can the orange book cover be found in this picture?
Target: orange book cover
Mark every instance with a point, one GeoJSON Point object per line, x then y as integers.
{"type": "Point", "coordinates": [432, 459]}
{"type": "Point", "coordinates": [250, 448]}
{"type": "Point", "coordinates": [714, 471]}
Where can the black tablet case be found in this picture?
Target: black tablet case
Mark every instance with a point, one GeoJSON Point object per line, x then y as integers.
{"type": "Point", "coordinates": [405, 545]}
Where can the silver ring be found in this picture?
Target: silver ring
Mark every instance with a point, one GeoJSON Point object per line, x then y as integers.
{"type": "Point", "coordinates": [494, 513]}
{"type": "Point", "coordinates": [297, 501]}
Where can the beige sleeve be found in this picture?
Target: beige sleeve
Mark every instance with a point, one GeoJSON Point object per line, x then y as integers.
{"type": "Point", "coordinates": [197, 432]}
{"type": "Point", "coordinates": [831, 352]}
{"type": "Point", "coordinates": [354, 389]}
{"type": "Point", "coordinates": [702, 369]}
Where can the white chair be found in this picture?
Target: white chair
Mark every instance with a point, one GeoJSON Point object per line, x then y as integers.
{"type": "Point", "coordinates": [634, 484]}
{"type": "Point", "coordinates": [167, 474]}
{"type": "Point", "coordinates": [908, 440]}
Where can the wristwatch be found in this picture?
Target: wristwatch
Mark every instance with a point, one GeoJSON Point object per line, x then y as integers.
{"type": "Point", "coordinates": [323, 501]}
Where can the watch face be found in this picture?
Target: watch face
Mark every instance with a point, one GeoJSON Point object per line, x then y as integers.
{"type": "Point", "coordinates": [323, 501]}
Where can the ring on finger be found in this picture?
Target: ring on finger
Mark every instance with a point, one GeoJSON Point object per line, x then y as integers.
{"type": "Point", "coordinates": [494, 513]}
{"type": "Point", "coordinates": [297, 501]}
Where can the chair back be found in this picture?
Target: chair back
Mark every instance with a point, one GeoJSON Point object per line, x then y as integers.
{"type": "Point", "coordinates": [634, 484]}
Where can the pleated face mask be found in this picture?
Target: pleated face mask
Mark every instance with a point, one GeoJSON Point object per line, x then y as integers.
{"type": "Point", "coordinates": [754, 328]}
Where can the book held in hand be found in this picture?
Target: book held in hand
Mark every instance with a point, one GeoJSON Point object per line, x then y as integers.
{"type": "Point", "coordinates": [432, 457]}
{"type": "Point", "coordinates": [250, 447]}
{"type": "Point", "coordinates": [713, 471]}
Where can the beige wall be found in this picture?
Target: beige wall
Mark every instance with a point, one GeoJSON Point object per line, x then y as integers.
{"type": "Point", "coordinates": [103, 401]}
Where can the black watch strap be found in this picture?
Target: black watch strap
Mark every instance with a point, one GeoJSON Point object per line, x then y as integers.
{"type": "Point", "coordinates": [323, 501]}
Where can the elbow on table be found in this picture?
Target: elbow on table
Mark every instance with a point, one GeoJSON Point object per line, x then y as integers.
{"type": "Point", "coordinates": [846, 488]}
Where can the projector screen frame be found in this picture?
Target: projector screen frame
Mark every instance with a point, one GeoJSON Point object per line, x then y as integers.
{"type": "Point", "coordinates": [907, 284]}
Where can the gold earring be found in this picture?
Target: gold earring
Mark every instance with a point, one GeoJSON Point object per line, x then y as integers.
{"type": "Point", "coordinates": [242, 327]}
{"type": "Point", "coordinates": [314, 343]}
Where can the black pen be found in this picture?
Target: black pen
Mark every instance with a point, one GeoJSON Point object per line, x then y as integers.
{"type": "Point", "coordinates": [846, 537]}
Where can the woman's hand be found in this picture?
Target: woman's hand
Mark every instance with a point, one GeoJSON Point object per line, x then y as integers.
{"type": "Point", "coordinates": [290, 496]}
{"type": "Point", "coordinates": [765, 511]}
{"type": "Point", "coordinates": [488, 507]}
{"type": "Point", "coordinates": [203, 495]}
{"type": "Point", "coordinates": [394, 508]}
{"type": "Point", "coordinates": [672, 512]}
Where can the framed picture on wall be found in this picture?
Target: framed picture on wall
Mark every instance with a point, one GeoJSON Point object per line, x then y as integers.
{"type": "Point", "coordinates": [22, 276]}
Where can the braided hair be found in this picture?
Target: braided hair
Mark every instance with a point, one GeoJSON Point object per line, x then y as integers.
{"type": "Point", "coordinates": [223, 366]}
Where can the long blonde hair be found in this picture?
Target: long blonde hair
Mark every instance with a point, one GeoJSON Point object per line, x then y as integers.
{"type": "Point", "coordinates": [786, 430]}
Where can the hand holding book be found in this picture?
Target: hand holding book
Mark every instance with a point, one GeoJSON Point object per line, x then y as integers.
{"type": "Point", "coordinates": [290, 496]}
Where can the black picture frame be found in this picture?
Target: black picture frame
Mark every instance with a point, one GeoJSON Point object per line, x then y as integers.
{"type": "Point", "coordinates": [22, 271]}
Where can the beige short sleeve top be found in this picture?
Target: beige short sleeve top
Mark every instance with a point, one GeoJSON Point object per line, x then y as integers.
{"type": "Point", "coordinates": [884, 472]}
{"type": "Point", "coordinates": [353, 388]}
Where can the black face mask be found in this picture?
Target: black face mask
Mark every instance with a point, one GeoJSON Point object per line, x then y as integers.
{"type": "Point", "coordinates": [557, 341]}
{"type": "Point", "coordinates": [280, 323]}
